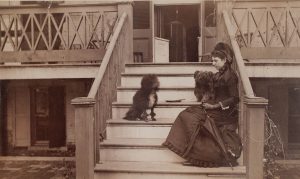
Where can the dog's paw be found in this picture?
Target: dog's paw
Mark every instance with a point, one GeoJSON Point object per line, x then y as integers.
{"type": "Point", "coordinates": [148, 118]}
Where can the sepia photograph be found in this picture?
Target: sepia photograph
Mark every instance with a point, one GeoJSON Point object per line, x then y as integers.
{"type": "Point", "coordinates": [150, 89]}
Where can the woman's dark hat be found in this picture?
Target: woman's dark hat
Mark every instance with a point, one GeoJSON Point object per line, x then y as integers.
{"type": "Point", "coordinates": [225, 49]}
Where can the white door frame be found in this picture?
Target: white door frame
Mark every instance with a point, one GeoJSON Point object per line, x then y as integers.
{"type": "Point", "coordinates": [179, 2]}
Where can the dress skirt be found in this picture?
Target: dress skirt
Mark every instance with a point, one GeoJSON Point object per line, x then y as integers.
{"type": "Point", "coordinates": [190, 139]}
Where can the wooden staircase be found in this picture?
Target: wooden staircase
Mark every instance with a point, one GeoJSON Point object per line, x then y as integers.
{"type": "Point", "coordinates": [133, 149]}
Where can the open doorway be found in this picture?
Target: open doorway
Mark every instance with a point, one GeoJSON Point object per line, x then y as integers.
{"type": "Point", "coordinates": [180, 25]}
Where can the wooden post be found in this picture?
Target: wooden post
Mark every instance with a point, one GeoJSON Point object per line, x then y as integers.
{"type": "Point", "coordinates": [84, 137]}
{"type": "Point", "coordinates": [255, 120]}
{"type": "Point", "coordinates": [127, 52]}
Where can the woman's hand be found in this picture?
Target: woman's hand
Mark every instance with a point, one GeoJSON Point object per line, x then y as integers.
{"type": "Point", "coordinates": [210, 106]}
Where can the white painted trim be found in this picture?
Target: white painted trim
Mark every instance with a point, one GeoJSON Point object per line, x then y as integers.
{"type": "Point", "coordinates": [152, 22]}
{"type": "Point", "coordinates": [271, 71]}
{"type": "Point", "coordinates": [176, 2]}
{"type": "Point", "coordinates": [47, 72]}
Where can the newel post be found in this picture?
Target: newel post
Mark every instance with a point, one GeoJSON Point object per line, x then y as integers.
{"type": "Point", "coordinates": [84, 137]}
{"type": "Point", "coordinates": [255, 122]}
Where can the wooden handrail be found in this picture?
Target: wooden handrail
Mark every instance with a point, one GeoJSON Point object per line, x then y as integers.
{"type": "Point", "coordinates": [106, 58]}
{"type": "Point", "coordinates": [238, 56]}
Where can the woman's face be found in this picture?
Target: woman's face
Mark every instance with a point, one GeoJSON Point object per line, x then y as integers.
{"type": "Point", "coordinates": [218, 63]}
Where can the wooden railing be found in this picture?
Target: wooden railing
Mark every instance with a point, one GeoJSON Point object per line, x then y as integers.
{"type": "Point", "coordinates": [91, 112]}
{"type": "Point", "coordinates": [104, 87]}
{"type": "Point", "coordinates": [239, 59]}
{"type": "Point", "coordinates": [268, 27]}
{"type": "Point", "coordinates": [252, 112]}
{"type": "Point", "coordinates": [61, 33]}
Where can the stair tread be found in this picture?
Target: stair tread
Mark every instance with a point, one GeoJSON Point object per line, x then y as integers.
{"type": "Point", "coordinates": [159, 121]}
{"type": "Point", "coordinates": [136, 142]}
{"type": "Point", "coordinates": [160, 74]}
{"type": "Point", "coordinates": [169, 64]}
{"type": "Point", "coordinates": [161, 88]}
{"type": "Point", "coordinates": [166, 167]}
{"type": "Point", "coordinates": [247, 62]}
{"type": "Point", "coordinates": [162, 103]}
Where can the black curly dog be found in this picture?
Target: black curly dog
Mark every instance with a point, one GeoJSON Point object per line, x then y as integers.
{"type": "Point", "coordinates": [145, 99]}
{"type": "Point", "coordinates": [204, 90]}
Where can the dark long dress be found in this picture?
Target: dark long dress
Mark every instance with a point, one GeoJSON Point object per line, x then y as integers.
{"type": "Point", "coordinates": [189, 136]}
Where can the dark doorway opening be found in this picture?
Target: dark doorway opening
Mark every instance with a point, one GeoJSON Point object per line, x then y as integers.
{"type": "Point", "coordinates": [48, 123]}
{"type": "Point", "coordinates": [294, 117]}
{"type": "Point", "coordinates": [180, 25]}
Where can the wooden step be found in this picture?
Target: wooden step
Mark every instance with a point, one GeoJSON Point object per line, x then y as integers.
{"type": "Point", "coordinates": [118, 142]}
{"type": "Point", "coordinates": [138, 149]}
{"type": "Point", "coordinates": [168, 110]}
{"type": "Point", "coordinates": [169, 68]}
{"type": "Point", "coordinates": [256, 68]}
{"type": "Point", "coordinates": [160, 121]}
{"type": "Point", "coordinates": [164, 170]}
{"type": "Point", "coordinates": [120, 128]}
{"type": "Point", "coordinates": [166, 80]}
{"type": "Point", "coordinates": [128, 149]}
{"type": "Point", "coordinates": [125, 94]}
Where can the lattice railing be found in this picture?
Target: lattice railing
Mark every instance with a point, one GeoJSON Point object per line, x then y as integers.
{"type": "Point", "coordinates": [64, 28]}
{"type": "Point", "coordinates": [267, 24]}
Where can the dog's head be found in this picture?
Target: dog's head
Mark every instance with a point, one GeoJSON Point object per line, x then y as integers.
{"type": "Point", "coordinates": [204, 77]}
{"type": "Point", "coordinates": [150, 82]}
{"type": "Point", "coordinates": [204, 89]}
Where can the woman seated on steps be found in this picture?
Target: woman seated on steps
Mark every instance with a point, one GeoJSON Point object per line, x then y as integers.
{"type": "Point", "coordinates": [205, 135]}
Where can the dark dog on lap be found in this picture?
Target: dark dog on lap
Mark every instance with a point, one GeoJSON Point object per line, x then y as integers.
{"type": "Point", "coordinates": [144, 100]}
{"type": "Point", "coordinates": [204, 90]}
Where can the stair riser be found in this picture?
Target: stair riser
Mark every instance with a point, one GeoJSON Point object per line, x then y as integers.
{"type": "Point", "coordinates": [121, 131]}
{"type": "Point", "coordinates": [167, 69]}
{"type": "Point", "coordinates": [148, 154]}
{"type": "Point", "coordinates": [165, 81]}
{"type": "Point", "coordinates": [161, 112]}
{"type": "Point", "coordinates": [163, 95]}
{"type": "Point", "coordinates": [139, 175]}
